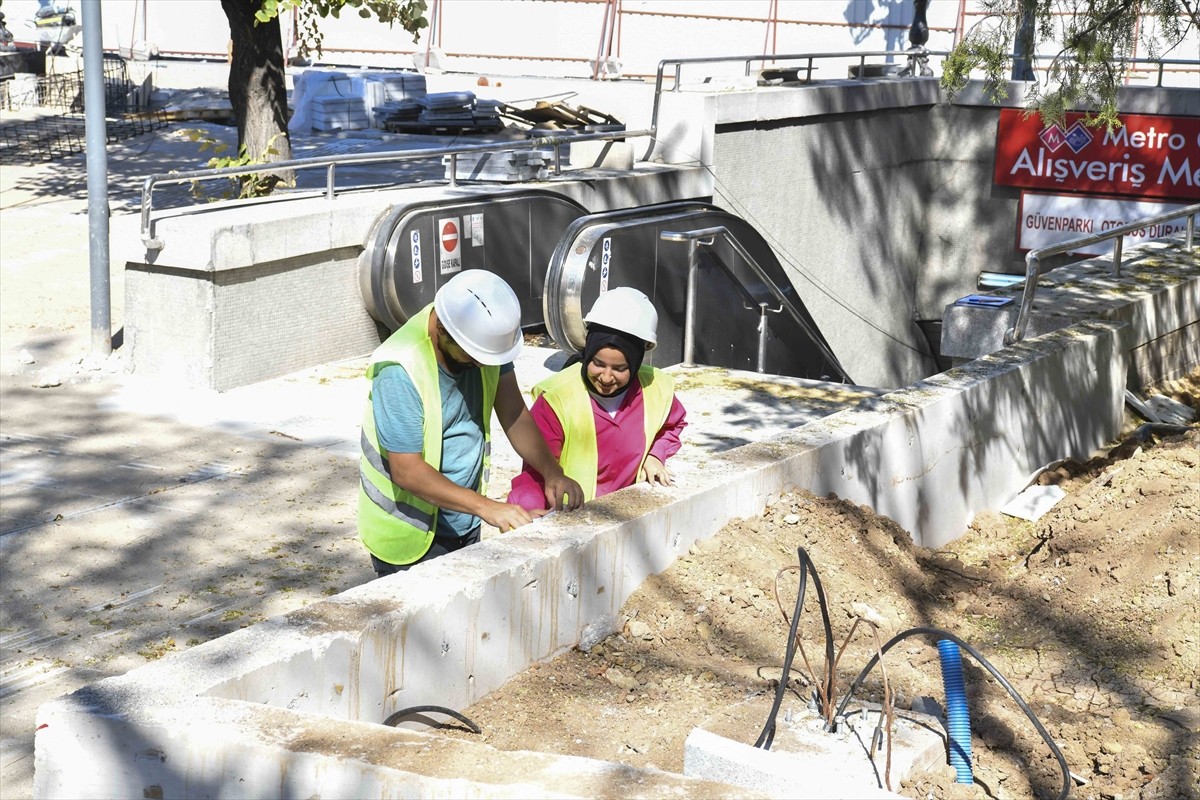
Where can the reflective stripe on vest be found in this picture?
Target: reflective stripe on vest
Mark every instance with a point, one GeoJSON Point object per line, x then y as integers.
{"type": "Point", "coordinates": [572, 404]}
{"type": "Point", "coordinates": [396, 525]}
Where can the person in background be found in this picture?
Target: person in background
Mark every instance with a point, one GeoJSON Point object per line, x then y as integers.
{"type": "Point", "coordinates": [611, 421]}
{"type": "Point", "coordinates": [426, 431]}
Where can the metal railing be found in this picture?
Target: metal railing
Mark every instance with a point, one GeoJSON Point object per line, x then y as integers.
{"type": "Point", "coordinates": [911, 55]}
{"type": "Point", "coordinates": [1033, 261]}
{"type": "Point", "coordinates": [707, 236]}
{"type": "Point", "coordinates": [331, 162]}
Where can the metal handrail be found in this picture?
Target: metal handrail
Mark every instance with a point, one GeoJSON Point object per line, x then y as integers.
{"type": "Point", "coordinates": [331, 163]}
{"type": "Point", "coordinates": [747, 60]}
{"type": "Point", "coordinates": [912, 54]}
{"type": "Point", "coordinates": [1033, 266]}
{"type": "Point", "coordinates": [706, 236]}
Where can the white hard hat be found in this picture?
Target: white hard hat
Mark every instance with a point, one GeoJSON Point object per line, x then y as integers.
{"type": "Point", "coordinates": [481, 312]}
{"type": "Point", "coordinates": [627, 310]}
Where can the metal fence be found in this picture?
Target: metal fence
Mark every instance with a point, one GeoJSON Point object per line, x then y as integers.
{"type": "Point", "coordinates": [55, 126]}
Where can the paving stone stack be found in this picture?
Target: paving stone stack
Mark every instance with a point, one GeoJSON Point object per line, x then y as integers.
{"type": "Point", "coordinates": [331, 113]}
{"type": "Point", "coordinates": [507, 166]}
{"type": "Point", "coordinates": [394, 97]}
{"type": "Point", "coordinates": [448, 110]}
{"type": "Point", "coordinates": [486, 114]}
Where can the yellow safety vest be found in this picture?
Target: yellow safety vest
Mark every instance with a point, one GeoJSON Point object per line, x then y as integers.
{"type": "Point", "coordinates": [571, 402]}
{"type": "Point", "coordinates": [396, 525]}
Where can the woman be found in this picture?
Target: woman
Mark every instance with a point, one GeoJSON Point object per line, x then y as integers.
{"type": "Point", "coordinates": [612, 422]}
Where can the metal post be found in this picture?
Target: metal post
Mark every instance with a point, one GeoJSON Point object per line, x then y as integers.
{"type": "Point", "coordinates": [454, 169]}
{"type": "Point", "coordinates": [1191, 232]}
{"type": "Point", "coordinates": [96, 135]}
{"type": "Point", "coordinates": [557, 159]}
{"type": "Point", "coordinates": [689, 320]}
{"type": "Point", "coordinates": [329, 179]}
{"type": "Point", "coordinates": [762, 337]}
{"type": "Point", "coordinates": [678, 74]}
{"type": "Point", "coordinates": [1118, 244]}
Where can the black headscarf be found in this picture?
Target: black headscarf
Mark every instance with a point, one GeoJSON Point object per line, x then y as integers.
{"type": "Point", "coordinates": [600, 337]}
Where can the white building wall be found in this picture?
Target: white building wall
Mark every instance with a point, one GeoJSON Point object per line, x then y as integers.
{"type": "Point", "coordinates": [561, 38]}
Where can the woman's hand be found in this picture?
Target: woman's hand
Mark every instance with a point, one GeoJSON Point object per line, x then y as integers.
{"type": "Point", "coordinates": [654, 471]}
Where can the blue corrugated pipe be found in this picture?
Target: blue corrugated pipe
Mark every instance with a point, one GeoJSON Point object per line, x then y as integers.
{"type": "Point", "coordinates": [958, 718]}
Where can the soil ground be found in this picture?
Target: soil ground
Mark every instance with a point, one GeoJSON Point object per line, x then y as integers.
{"type": "Point", "coordinates": [1091, 613]}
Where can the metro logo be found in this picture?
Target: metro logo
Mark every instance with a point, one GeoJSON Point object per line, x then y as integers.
{"type": "Point", "coordinates": [1053, 138]}
{"type": "Point", "coordinates": [1146, 157]}
{"type": "Point", "coordinates": [1078, 137]}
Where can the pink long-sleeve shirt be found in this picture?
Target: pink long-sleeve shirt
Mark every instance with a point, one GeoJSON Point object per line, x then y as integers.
{"type": "Point", "coordinates": [620, 442]}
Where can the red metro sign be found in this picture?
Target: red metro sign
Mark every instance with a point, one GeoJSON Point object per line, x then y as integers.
{"type": "Point", "coordinates": [1146, 157]}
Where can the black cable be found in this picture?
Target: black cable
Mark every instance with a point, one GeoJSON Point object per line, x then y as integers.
{"type": "Point", "coordinates": [394, 719]}
{"type": "Point", "coordinates": [941, 634]}
{"type": "Point", "coordinates": [806, 566]}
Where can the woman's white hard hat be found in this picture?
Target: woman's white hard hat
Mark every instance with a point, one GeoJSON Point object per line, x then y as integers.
{"type": "Point", "coordinates": [627, 310]}
{"type": "Point", "coordinates": [482, 314]}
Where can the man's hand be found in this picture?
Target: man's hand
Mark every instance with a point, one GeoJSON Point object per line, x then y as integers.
{"type": "Point", "coordinates": [654, 471]}
{"type": "Point", "coordinates": [558, 485]}
{"type": "Point", "coordinates": [527, 440]}
{"type": "Point", "coordinates": [506, 516]}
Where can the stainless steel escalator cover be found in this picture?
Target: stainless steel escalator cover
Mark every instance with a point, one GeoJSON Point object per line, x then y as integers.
{"type": "Point", "coordinates": [416, 247]}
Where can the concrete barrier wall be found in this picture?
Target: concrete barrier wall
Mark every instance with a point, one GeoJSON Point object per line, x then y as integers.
{"type": "Point", "coordinates": [287, 708]}
{"type": "Point", "coordinates": [243, 292]}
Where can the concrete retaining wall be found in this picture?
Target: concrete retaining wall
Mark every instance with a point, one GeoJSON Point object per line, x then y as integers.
{"type": "Point", "coordinates": [287, 708]}
{"type": "Point", "coordinates": [243, 292]}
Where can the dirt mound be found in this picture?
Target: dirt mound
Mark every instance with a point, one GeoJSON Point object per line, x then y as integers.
{"type": "Point", "coordinates": [1091, 613]}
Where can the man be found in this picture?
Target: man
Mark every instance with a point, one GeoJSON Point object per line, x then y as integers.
{"type": "Point", "coordinates": [426, 437]}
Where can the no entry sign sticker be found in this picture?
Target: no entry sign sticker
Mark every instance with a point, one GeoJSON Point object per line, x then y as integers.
{"type": "Point", "coordinates": [449, 245]}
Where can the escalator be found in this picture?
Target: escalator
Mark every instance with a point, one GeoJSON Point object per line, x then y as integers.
{"type": "Point", "coordinates": [414, 248]}
{"type": "Point", "coordinates": [739, 322]}
{"type": "Point", "coordinates": [558, 259]}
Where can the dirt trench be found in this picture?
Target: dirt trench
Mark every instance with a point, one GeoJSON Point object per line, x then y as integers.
{"type": "Point", "coordinates": [1091, 613]}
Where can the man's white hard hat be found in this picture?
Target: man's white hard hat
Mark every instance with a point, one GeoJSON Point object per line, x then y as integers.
{"type": "Point", "coordinates": [627, 310]}
{"type": "Point", "coordinates": [482, 314]}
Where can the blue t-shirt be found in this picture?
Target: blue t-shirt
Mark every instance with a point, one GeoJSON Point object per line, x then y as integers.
{"type": "Point", "coordinates": [400, 419]}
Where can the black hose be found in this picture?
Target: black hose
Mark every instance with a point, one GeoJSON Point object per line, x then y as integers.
{"type": "Point", "coordinates": [394, 719]}
{"type": "Point", "coordinates": [806, 566]}
{"type": "Point", "coordinates": [939, 633]}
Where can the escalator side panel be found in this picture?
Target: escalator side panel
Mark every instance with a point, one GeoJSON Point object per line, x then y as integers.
{"type": "Point", "coordinates": [607, 253]}
{"type": "Point", "coordinates": [415, 249]}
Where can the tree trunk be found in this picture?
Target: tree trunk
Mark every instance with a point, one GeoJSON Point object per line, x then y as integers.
{"type": "Point", "coordinates": [256, 86]}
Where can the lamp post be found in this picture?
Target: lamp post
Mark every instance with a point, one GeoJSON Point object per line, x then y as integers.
{"type": "Point", "coordinates": [96, 136]}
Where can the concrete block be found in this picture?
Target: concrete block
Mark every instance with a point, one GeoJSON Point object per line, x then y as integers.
{"type": "Point", "coordinates": [604, 155]}
{"type": "Point", "coordinates": [686, 127]}
{"type": "Point", "coordinates": [969, 332]}
{"type": "Point", "coordinates": [805, 761]}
